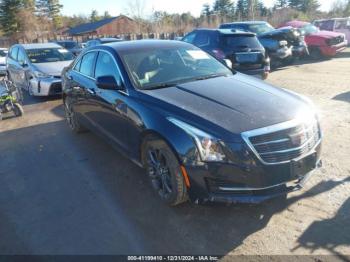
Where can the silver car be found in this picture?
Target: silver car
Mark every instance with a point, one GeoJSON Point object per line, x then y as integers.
{"type": "Point", "coordinates": [37, 68]}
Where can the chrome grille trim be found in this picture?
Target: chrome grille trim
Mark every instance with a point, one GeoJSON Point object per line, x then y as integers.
{"type": "Point", "coordinates": [293, 124]}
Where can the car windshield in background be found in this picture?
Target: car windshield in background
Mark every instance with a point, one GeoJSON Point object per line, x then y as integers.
{"type": "Point", "coordinates": [3, 53]}
{"type": "Point", "coordinates": [68, 45]}
{"type": "Point", "coordinates": [167, 67]}
{"type": "Point", "coordinates": [48, 55]}
{"type": "Point", "coordinates": [310, 29]}
{"type": "Point", "coordinates": [239, 42]}
{"type": "Point", "coordinates": [260, 28]}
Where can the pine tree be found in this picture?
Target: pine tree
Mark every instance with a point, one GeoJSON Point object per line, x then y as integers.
{"type": "Point", "coordinates": [224, 8]}
{"type": "Point", "coordinates": [94, 16]}
{"type": "Point", "coordinates": [308, 6]}
{"type": "Point", "coordinates": [242, 9]}
{"type": "Point", "coordinates": [9, 18]}
{"type": "Point", "coordinates": [281, 3]}
{"type": "Point", "coordinates": [54, 8]}
{"type": "Point", "coordinates": [295, 4]}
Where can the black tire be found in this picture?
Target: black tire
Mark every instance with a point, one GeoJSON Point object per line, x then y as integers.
{"type": "Point", "coordinates": [71, 118]}
{"type": "Point", "coordinates": [164, 172]}
{"type": "Point", "coordinates": [18, 110]}
{"type": "Point", "coordinates": [315, 53]}
{"type": "Point", "coordinates": [29, 89]}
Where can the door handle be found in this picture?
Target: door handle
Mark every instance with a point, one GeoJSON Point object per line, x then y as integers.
{"type": "Point", "coordinates": [91, 91]}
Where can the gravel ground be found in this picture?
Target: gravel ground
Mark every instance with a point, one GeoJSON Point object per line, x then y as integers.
{"type": "Point", "coordinates": [67, 194]}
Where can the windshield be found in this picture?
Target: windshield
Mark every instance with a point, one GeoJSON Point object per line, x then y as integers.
{"type": "Point", "coordinates": [3, 53]}
{"type": "Point", "coordinates": [260, 28]}
{"type": "Point", "coordinates": [166, 67]}
{"type": "Point", "coordinates": [310, 29]}
{"type": "Point", "coordinates": [68, 45]}
{"type": "Point", "coordinates": [48, 55]}
{"type": "Point", "coordinates": [240, 42]}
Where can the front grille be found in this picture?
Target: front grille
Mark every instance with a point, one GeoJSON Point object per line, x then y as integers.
{"type": "Point", "coordinates": [275, 147]}
{"type": "Point", "coordinates": [336, 40]}
{"type": "Point", "coordinates": [56, 89]}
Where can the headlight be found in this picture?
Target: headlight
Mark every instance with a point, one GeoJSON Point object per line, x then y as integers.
{"type": "Point", "coordinates": [39, 74]}
{"type": "Point", "coordinates": [283, 43]}
{"type": "Point", "coordinates": [209, 148]}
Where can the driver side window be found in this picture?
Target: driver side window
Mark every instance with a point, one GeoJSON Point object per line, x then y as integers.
{"type": "Point", "coordinates": [105, 66]}
{"type": "Point", "coordinates": [21, 57]}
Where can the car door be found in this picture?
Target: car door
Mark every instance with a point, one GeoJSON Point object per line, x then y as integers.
{"type": "Point", "coordinates": [12, 65]}
{"type": "Point", "coordinates": [111, 109]}
{"type": "Point", "coordinates": [23, 69]}
{"type": "Point", "coordinates": [82, 84]}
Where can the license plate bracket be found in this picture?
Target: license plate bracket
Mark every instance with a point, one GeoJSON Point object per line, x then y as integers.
{"type": "Point", "coordinates": [300, 168]}
{"type": "Point", "coordinates": [247, 58]}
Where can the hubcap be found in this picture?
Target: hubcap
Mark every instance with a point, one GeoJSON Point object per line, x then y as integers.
{"type": "Point", "coordinates": [159, 172]}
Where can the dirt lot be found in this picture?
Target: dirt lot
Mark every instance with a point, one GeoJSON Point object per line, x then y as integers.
{"type": "Point", "coordinates": [67, 194]}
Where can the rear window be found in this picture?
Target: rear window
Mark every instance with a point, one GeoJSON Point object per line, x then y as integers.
{"type": "Point", "coordinates": [240, 41]}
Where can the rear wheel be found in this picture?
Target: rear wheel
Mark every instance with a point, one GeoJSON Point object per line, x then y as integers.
{"type": "Point", "coordinates": [164, 172]}
{"type": "Point", "coordinates": [18, 110]}
{"type": "Point", "coordinates": [71, 118]}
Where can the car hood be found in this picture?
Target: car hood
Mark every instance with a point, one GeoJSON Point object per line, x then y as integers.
{"type": "Point", "coordinates": [53, 68]}
{"type": "Point", "coordinates": [280, 31]}
{"type": "Point", "coordinates": [237, 104]}
{"type": "Point", "coordinates": [326, 34]}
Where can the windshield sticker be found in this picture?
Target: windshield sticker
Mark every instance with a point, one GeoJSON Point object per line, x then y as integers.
{"type": "Point", "coordinates": [63, 51]}
{"type": "Point", "coordinates": [198, 54]}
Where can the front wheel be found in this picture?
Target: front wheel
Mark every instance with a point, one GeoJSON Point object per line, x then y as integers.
{"type": "Point", "coordinates": [164, 172]}
{"type": "Point", "coordinates": [18, 110]}
{"type": "Point", "coordinates": [71, 118]}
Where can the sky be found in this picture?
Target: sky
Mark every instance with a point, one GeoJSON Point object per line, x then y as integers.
{"type": "Point", "coordinates": [116, 7]}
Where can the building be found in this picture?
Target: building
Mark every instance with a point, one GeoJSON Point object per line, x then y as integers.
{"type": "Point", "coordinates": [107, 27]}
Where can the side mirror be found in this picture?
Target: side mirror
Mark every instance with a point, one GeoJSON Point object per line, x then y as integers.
{"type": "Point", "coordinates": [24, 64]}
{"type": "Point", "coordinates": [228, 63]}
{"type": "Point", "coordinates": [108, 83]}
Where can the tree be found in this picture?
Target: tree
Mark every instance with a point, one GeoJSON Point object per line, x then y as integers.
{"type": "Point", "coordinates": [242, 9]}
{"type": "Point", "coordinates": [224, 9]}
{"type": "Point", "coordinates": [309, 6]}
{"type": "Point", "coordinates": [94, 16]}
{"type": "Point", "coordinates": [54, 13]}
{"type": "Point", "coordinates": [295, 4]}
{"type": "Point", "coordinates": [281, 3]}
{"type": "Point", "coordinates": [9, 19]}
{"type": "Point", "coordinates": [106, 15]}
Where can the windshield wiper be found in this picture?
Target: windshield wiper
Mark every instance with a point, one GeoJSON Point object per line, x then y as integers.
{"type": "Point", "coordinates": [209, 77]}
{"type": "Point", "coordinates": [160, 86]}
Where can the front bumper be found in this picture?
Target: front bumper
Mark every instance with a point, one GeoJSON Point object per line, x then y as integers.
{"type": "Point", "coordinates": [282, 53]}
{"type": "Point", "coordinates": [334, 49]}
{"type": "Point", "coordinates": [249, 183]}
{"type": "Point", "coordinates": [46, 86]}
{"type": "Point", "coordinates": [300, 50]}
{"type": "Point", "coordinates": [3, 69]}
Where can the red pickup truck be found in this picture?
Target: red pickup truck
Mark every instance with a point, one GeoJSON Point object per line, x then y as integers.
{"type": "Point", "coordinates": [320, 43]}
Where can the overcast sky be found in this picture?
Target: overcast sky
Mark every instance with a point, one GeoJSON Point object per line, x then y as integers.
{"type": "Point", "coordinates": [115, 7]}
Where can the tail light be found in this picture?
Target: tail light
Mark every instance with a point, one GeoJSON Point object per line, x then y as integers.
{"type": "Point", "coordinates": [219, 54]}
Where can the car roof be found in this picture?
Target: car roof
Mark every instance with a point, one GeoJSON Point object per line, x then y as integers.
{"type": "Point", "coordinates": [40, 46]}
{"type": "Point", "coordinates": [296, 23]}
{"type": "Point", "coordinates": [226, 31]}
{"type": "Point", "coordinates": [143, 44]}
{"type": "Point", "coordinates": [246, 23]}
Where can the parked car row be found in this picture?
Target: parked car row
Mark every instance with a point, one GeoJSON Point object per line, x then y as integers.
{"type": "Point", "coordinates": [239, 43]}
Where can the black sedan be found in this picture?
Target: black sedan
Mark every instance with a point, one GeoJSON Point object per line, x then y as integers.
{"type": "Point", "coordinates": [202, 131]}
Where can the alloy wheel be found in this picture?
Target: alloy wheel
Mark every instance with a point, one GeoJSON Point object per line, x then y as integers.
{"type": "Point", "coordinates": [159, 172]}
